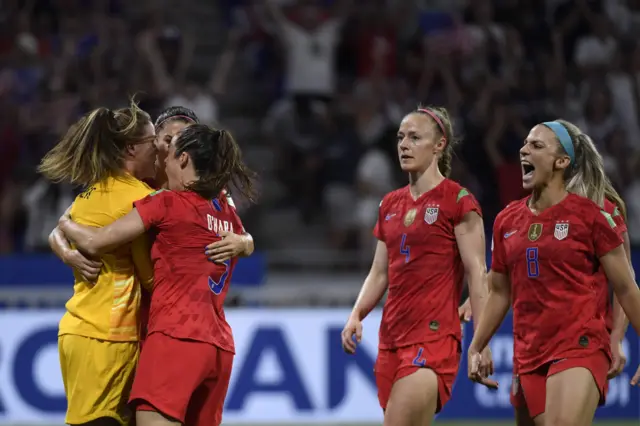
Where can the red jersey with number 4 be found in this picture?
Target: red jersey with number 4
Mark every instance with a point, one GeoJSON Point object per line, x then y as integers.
{"type": "Point", "coordinates": [424, 266]}
{"type": "Point", "coordinates": [189, 291]}
{"type": "Point", "coordinates": [557, 286]}
{"type": "Point", "coordinates": [621, 228]}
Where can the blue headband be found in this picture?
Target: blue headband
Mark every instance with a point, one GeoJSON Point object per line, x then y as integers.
{"type": "Point", "coordinates": [563, 137]}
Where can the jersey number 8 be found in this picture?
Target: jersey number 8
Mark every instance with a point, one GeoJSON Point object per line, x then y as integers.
{"type": "Point", "coordinates": [532, 262]}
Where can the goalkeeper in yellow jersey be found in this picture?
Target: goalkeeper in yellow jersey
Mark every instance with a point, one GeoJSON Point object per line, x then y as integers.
{"type": "Point", "coordinates": [108, 153]}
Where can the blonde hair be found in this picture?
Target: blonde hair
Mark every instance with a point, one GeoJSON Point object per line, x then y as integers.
{"type": "Point", "coordinates": [95, 147]}
{"type": "Point", "coordinates": [586, 175]}
{"type": "Point", "coordinates": [444, 162]}
{"type": "Point", "coordinates": [612, 195]}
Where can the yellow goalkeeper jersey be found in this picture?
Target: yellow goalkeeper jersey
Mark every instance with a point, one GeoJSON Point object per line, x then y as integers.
{"type": "Point", "coordinates": [108, 309]}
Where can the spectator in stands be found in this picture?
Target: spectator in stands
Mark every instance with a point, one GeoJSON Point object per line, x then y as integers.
{"type": "Point", "coordinates": [625, 91]}
{"type": "Point", "coordinates": [309, 39]}
{"type": "Point", "coordinates": [494, 68]}
{"type": "Point", "coordinates": [195, 96]}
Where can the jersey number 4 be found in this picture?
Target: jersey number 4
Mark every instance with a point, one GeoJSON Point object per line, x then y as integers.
{"type": "Point", "coordinates": [217, 286]}
{"type": "Point", "coordinates": [404, 248]}
{"type": "Point", "coordinates": [532, 262]}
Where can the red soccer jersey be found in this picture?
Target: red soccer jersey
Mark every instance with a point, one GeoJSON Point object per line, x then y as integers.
{"type": "Point", "coordinates": [189, 291]}
{"type": "Point", "coordinates": [607, 296]}
{"type": "Point", "coordinates": [424, 266]}
{"type": "Point", "coordinates": [552, 262]}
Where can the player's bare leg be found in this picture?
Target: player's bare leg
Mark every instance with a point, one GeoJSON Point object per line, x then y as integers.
{"type": "Point", "coordinates": [523, 418]}
{"type": "Point", "coordinates": [413, 400]}
{"type": "Point", "coordinates": [153, 418]}
{"type": "Point", "coordinates": [572, 398]}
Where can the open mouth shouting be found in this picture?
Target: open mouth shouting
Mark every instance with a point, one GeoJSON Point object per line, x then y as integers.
{"type": "Point", "coordinates": [528, 170]}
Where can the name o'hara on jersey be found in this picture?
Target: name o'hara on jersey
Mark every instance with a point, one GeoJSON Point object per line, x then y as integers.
{"type": "Point", "coordinates": [216, 225]}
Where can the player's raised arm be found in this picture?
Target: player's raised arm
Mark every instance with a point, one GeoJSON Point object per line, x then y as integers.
{"type": "Point", "coordinates": [96, 241]}
{"type": "Point", "coordinates": [370, 295]}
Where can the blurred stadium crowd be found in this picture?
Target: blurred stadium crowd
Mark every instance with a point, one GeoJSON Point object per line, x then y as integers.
{"type": "Point", "coordinates": [314, 91]}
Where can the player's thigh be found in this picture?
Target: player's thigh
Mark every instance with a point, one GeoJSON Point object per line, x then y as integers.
{"type": "Point", "coordinates": [523, 417]}
{"type": "Point", "coordinates": [521, 412]}
{"type": "Point", "coordinates": [207, 403]}
{"type": "Point", "coordinates": [528, 395]}
{"type": "Point", "coordinates": [575, 388]}
{"type": "Point", "coordinates": [418, 364]}
{"type": "Point", "coordinates": [153, 418]}
{"type": "Point", "coordinates": [413, 400]}
{"type": "Point", "coordinates": [99, 388]}
{"type": "Point", "coordinates": [169, 372]}
{"type": "Point", "coordinates": [442, 356]}
{"type": "Point", "coordinates": [385, 370]}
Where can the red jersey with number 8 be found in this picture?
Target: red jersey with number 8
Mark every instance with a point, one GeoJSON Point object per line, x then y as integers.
{"type": "Point", "coordinates": [189, 290]}
{"type": "Point", "coordinates": [552, 260]}
{"type": "Point", "coordinates": [424, 267]}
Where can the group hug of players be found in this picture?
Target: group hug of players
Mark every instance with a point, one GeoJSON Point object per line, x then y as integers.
{"type": "Point", "coordinates": [145, 331]}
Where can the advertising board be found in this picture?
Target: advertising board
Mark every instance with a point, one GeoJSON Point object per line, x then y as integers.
{"type": "Point", "coordinates": [289, 368]}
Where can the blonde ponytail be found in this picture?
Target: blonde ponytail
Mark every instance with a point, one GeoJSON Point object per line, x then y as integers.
{"type": "Point", "coordinates": [586, 177]}
{"type": "Point", "coordinates": [612, 195]}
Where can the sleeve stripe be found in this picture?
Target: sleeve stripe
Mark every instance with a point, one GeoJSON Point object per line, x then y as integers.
{"type": "Point", "coordinates": [610, 220]}
{"type": "Point", "coordinates": [157, 192]}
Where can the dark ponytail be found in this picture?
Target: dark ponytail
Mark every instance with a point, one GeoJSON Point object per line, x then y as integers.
{"type": "Point", "coordinates": [217, 160]}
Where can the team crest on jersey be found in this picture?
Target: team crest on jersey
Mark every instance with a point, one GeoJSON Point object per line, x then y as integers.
{"type": "Point", "coordinates": [561, 231]}
{"type": "Point", "coordinates": [535, 230]}
{"type": "Point", "coordinates": [410, 217]}
{"type": "Point", "coordinates": [431, 214]}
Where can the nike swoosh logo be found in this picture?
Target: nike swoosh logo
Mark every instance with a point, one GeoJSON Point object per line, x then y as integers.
{"type": "Point", "coordinates": [508, 234]}
{"type": "Point", "coordinates": [389, 216]}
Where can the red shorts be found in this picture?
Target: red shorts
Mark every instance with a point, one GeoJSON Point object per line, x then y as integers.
{"type": "Point", "coordinates": [530, 389]}
{"type": "Point", "coordinates": [441, 356]}
{"type": "Point", "coordinates": [182, 379]}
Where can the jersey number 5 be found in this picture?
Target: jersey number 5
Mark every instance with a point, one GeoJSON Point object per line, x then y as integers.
{"type": "Point", "coordinates": [217, 286]}
{"type": "Point", "coordinates": [532, 262]}
{"type": "Point", "coordinates": [404, 248]}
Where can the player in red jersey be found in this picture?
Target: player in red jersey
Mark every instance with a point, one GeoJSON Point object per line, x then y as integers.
{"type": "Point", "coordinates": [430, 234]}
{"type": "Point", "coordinates": [185, 365]}
{"type": "Point", "coordinates": [170, 122]}
{"type": "Point", "coordinates": [615, 206]}
{"type": "Point", "coordinates": [547, 253]}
